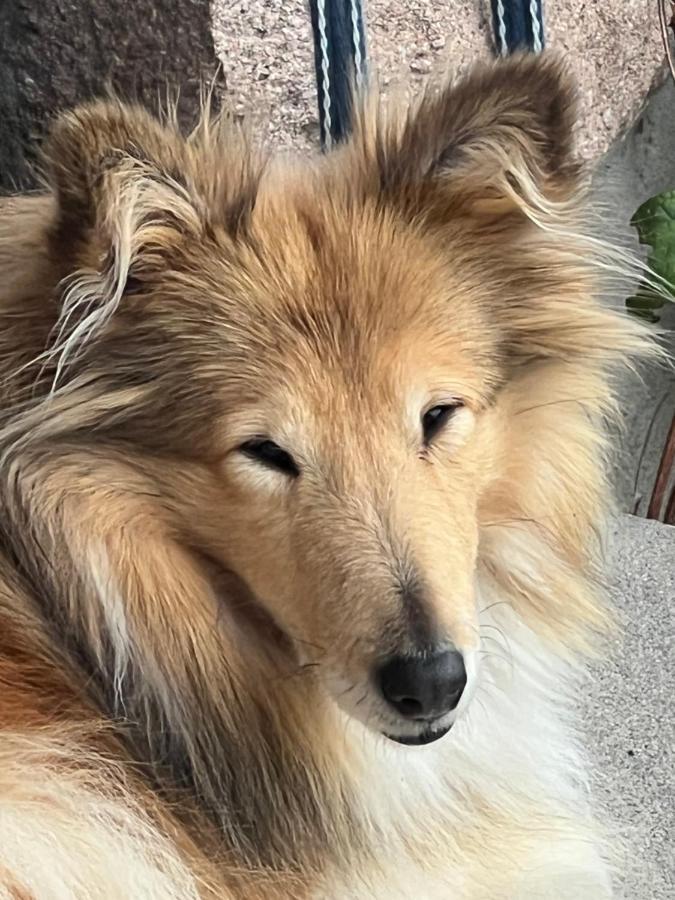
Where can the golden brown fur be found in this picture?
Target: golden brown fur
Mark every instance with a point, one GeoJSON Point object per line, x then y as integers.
{"type": "Point", "coordinates": [185, 634]}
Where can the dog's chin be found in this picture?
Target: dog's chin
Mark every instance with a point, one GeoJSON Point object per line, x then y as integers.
{"type": "Point", "coordinates": [427, 736]}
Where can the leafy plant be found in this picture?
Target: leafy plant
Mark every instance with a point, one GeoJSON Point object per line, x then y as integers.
{"type": "Point", "coordinates": [655, 224]}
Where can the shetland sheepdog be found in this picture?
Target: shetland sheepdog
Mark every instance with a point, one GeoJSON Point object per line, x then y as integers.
{"type": "Point", "coordinates": [302, 471]}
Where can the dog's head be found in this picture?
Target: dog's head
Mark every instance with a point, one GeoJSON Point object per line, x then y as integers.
{"type": "Point", "coordinates": [319, 368]}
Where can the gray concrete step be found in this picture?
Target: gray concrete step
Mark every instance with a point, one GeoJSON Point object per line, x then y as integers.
{"type": "Point", "coordinates": [630, 709]}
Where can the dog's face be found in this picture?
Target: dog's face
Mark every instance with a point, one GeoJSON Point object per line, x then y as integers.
{"type": "Point", "coordinates": [353, 436]}
{"type": "Point", "coordinates": [322, 357]}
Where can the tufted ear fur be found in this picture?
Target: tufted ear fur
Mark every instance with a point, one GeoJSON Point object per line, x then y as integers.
{"type": "Point", "coordinates": [130, 186]}
{"type": "Point", "coordinates": [114, 171]}
{"type": "Point", "coordinates": [487, 144]}
{"type": "Point", "coordinates": [133, 196]}
{"type": "Point", "coordinates": [487, 164]}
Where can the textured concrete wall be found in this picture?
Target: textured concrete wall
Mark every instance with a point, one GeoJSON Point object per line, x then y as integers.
{"type": "Point", "coordinates": [629, 709]}
{"type": "Point", "coordinates": [56, 53]}
{"type": "Point", "coordinates": [266, 50]}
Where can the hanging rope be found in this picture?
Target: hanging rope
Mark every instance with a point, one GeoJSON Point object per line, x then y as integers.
{"type": "Point", "coordinates": [340, 58]}
{"type": "Point", "coordinates": [518, 25]}
{"type": "Point", "coordinates": [340, 62]}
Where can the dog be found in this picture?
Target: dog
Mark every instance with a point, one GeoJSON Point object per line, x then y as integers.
{"type": "Point", "coordinates": [303, 485]}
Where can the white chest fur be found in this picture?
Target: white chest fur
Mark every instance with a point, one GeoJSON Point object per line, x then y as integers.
{"type": "Point", "coordinates": [497, 809]}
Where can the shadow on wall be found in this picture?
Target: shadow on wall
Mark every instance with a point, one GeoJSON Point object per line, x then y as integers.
{"type": "Point", "coordinates": [56, 53]}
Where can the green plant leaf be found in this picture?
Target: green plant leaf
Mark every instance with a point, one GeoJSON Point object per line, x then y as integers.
{"type": "Point", "coordinates": [645, 303]}
{"type": "Point", "coordinates": [645, 300]}
{"type": "Point", "coordinates": [645, 314]}
{"type": "Point", "coordinates": [655, 224]}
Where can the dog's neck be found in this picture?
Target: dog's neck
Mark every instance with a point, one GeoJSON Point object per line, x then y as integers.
{"type": "Point", "coordinates": [259, 752]}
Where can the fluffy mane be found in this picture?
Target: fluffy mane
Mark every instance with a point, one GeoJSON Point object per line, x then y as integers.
{"type": "Point", "coordinates": [224, 763]}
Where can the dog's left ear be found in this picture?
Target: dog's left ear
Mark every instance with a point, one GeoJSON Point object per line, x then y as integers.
{"type": "Point", "coordinates": [492, 144]}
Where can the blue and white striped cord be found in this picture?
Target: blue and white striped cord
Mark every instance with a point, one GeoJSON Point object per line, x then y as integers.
{"type": "Point", "coordinates": [340, 64]}
{"type": "Point", "coordinates": [518, 25]}
{"type": "Point", "coordinates": [502, 46]}
{"type": "Point", "coordinates": [359, 60]}
{"type": "Point", "coordinates": [325, 73]}
{"type": "Point", "coordinates": [537, 43]}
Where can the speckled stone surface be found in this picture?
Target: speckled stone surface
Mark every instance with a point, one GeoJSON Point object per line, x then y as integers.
{"type": "Point", "coordinates": [629, 710]}
{"type": "Point", "coordinates": [266, 50]}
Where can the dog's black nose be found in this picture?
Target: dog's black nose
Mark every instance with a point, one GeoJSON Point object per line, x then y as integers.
{"type": "Point", "coordinates": [425, 686]}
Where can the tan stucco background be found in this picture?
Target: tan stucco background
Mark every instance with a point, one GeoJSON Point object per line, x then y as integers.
{"type": "Point", "coordinates": [613, 46]}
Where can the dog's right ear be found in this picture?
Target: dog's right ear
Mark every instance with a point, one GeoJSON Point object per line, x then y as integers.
{"type": "Point", "coordinates": [129, 187]}
{"type": "Point", "coordinates": [133, 199]}
{"type": "Point", "coordinates": [119, 177]}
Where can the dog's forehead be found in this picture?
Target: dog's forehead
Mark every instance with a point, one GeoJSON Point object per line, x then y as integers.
{"type": "Point", "coordinates": [343, 272]}
{"type": "Point", "coordinates": [315, 353]}
{"type": "Point", "coordinates": [315, 294]}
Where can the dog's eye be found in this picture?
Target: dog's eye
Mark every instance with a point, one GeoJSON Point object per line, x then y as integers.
{"type": "Point", "coordinates": [436, 418]}
{"type": "Point", "coordinates": [271, 455]}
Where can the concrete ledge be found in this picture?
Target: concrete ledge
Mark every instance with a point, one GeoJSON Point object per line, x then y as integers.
{"type": "Point", "coordinates": [630, 710]}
